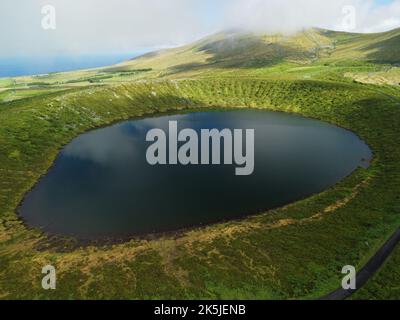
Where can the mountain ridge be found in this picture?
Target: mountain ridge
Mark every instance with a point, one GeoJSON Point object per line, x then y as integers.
{"type": "Point", "coordinates": [242, 49]}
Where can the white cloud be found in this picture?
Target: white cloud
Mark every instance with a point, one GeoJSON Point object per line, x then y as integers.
{"type": "Point", "coordinates": [96, 26]}
{"type": "Point", "coordinates": [87, 26]}
{"type": "Point", "coordinates": [292, 15]}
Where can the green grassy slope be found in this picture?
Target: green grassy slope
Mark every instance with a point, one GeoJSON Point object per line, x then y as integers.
{"type": "Point", "coordinates": [310, 54]}
{"type": "Point", "coordinates": [237, 50]}
{"type": "Point", "coordinates": [385, 284]}
{"type": "Point", "coordinates": [294, 252]}
{"type": "Point", "coordinates": [382, 48]}
{"type": "Point", "coordinates": [247, 50]}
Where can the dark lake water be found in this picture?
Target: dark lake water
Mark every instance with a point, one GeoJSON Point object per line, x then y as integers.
{"type": "Point", "coordinates": [102, 186]}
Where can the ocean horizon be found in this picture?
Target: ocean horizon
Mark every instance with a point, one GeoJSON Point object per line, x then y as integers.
{"type": "Point", "coordinates": [33, 65]}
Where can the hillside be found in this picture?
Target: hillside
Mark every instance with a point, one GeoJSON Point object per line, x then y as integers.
{"type": "Point", "coordinates": [229, 50]}
{"type": "Point", "coordinates": [295, 252]}
{"type": "Point", "coordinates": [313, 54]}
{"type": "Point", "coordinates": [232, 50]}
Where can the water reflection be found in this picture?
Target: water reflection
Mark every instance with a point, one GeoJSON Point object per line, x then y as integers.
{"type": "Point", "coordinates": [101, 185]}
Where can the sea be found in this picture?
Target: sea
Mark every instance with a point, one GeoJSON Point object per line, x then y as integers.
{"type": "Point", "coordinates": [33, 65]}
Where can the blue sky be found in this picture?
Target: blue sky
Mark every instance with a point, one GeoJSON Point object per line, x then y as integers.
{"type": "Point", "coordinates": [383, 2]}
{"type": "Point", "coordinates": [123, 26]}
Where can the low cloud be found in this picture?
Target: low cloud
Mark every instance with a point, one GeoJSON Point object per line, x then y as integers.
{"type": "Point", "coordinates": [120, 26]}
{"type": "Point", "coordinates": [294, 15]}
{"type": "Point", "coordinates": [87, 26]}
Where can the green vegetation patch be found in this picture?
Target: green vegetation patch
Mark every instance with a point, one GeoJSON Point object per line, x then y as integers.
{"type": "Point", "coordinates": [385, 284]}
{"type": "Point", "coordinates": [294, 252]}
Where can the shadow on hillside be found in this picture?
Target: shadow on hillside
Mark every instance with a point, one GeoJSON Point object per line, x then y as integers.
{"type": "Point", "coordinates": [387, 51]}
{"type": "Point", "coordinates": [245, 52]}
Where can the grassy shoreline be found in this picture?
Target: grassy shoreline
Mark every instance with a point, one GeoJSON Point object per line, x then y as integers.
{"type": "Point", "coordinates": [307, 242]}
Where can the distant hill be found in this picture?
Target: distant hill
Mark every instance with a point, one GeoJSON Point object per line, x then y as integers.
{"type": "Point", "coordinates": [381, 48]}
{"type": "Point", "coordinates": [236, 49]}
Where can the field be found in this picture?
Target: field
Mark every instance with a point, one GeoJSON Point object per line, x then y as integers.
{"type": "Point", "coordinates": [296, 252]}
